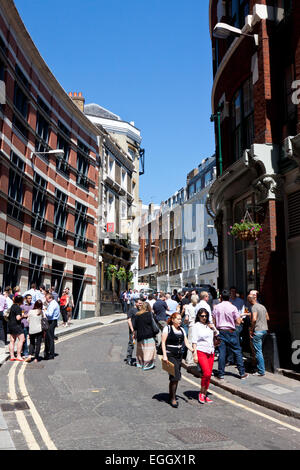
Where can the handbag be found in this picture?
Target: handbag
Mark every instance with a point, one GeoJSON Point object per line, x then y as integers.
{"type": "Point", "coordinates": [217, 341]}
{"type": "Point", "coordinates": [155, 327]}
{"type": "Point", "coordinates": [45, 324]}
{"type": "Point", "coordinates": [6, 314]}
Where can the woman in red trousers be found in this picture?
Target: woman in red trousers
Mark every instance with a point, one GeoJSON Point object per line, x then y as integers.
{"type": "Point", "coordinates": [203, 344]}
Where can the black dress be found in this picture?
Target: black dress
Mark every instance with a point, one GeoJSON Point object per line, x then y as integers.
{"type": "Point", "coordinates": [174, 344]}
{"type": "Point", "coordinates": [15, 326]}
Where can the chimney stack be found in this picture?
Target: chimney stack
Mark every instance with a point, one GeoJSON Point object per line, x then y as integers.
{"type": "Point", "coordinates": [78, 100]}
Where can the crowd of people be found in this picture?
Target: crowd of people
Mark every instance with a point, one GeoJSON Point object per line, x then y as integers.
{"type": "Point", "coordinates": [194, 327]}
{"type": "Point", "coordinates": [188, 325]}
{"type": "Point", "coordinates": [33, 314]}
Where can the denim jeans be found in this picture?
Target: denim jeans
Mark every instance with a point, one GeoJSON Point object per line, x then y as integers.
{"type": "Point", "coordinates": [257, 342]}
{"type": "Point", "coordinates": [230, 355]}
{"type": "Point", "coordinates": [230, 340]}
{"type": "Point", "coordinates": [25, 345]}
{"type": "Point", "coordinates": [130, 347]}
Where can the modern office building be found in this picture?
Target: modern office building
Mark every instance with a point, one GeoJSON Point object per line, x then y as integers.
{"type": "Point", "coordinates": [198, 227]}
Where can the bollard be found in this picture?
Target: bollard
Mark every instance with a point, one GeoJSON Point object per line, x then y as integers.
{"type": "Point", "coordinates": [270, 353]}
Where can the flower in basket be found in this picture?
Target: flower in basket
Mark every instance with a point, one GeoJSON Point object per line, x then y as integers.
{"type": "Point", "coordinates": [246, 230]}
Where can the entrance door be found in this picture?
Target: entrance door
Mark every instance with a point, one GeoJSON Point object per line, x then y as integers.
{"type": "Point", "coordinates": [57, 276]}
{"type": "Point", "coordinates": [78, 287]}
{"type": "Point", "coordinates": [294, 283]}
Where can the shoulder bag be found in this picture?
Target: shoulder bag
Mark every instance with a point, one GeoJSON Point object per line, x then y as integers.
{"type": "Point", "coordinates": [155, 327]}
{"type": "Point", "coordinates": [44, 323]}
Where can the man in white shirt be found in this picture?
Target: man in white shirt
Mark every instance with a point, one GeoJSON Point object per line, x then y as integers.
{"type": "Point", "coordinates": [172, 304]}
{"type": "Point", "coordinates": [204, 297]}
{"type": "Point", "coordinates": [33, 292]}
{"type": "Point", "coordinates": [52, 314]}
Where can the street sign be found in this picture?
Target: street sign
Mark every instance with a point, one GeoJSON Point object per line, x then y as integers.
{"type": "Point", "coordinates": [110, 227]}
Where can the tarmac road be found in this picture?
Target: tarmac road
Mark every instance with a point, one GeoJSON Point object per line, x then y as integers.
{"type": "Point", "coordinates": [87, 398]}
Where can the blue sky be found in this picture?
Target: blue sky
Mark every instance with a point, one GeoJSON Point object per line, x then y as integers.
{"type": "Point", "coordinates": [149, 61]}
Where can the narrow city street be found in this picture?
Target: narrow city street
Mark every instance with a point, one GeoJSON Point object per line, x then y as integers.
{"type": "Point", "coordinates": [87, 398]}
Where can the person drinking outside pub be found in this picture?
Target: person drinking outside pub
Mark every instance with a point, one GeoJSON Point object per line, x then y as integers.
{"type": "Point", "coordinates": [226, 318]}
{"type": "Point", "coordinates": [258, 331]}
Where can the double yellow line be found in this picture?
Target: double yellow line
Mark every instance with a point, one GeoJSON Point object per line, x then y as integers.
{"type": "Point", "coordinates": [13, 397]}
{"type": "Point", "coordinates": [20, 415]}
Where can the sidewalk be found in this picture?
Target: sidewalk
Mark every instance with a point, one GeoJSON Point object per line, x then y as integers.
{"type": "Point", "coordinates": [273, 391]}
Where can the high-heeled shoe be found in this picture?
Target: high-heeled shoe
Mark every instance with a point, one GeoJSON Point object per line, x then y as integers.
{"type": "Point", "coordinates": [174, 405]}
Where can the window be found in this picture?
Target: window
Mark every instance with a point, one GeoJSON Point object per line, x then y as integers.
{"type": "Point", "coordinates": [15, 188]}
{"type": "Point", "coordinates": [62, 161]}
{"type": "Point", "coordinates": [242, 119]}
{"type": "Point", "coordinates": [111, 167]}
{"type": "Point", "coordinates": [42, 127]}
{"type": "Point", "coordinates": [123, 212]}
{"type": "Point", "coordinates": [39, 201]}
{"type": "Point", "coordinates": [35, 269]}
{"type": "Point", "coordinates": [80, 226]}
{"type": "Point", "coordinates": [82, 165]}
{"type": "Point", "coordinates": [11, 265]}
{"type": "Point", "coordinates": [21, 105]}
{"type": "Point", "coordinates": [60, 215]}
{"type": "Point", "coordinates": [237, 10]}
{"type": "Point", "coordinates": [123, 179]}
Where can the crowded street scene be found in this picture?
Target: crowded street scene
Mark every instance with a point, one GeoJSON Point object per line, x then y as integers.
{"type": "Point", "coordinates": [149, 300]}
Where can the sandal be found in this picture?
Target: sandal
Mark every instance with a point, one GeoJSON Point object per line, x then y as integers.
{"type": "Point", "coordinates": [12, 359]}
{"type": "Point", "coordinates": [20, 360]}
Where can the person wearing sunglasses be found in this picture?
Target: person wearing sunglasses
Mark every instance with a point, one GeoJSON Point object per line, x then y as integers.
{"type": "Point", "coordinates": [204, 346]}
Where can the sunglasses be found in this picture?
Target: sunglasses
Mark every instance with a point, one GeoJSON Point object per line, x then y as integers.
{"type": "Point", "coordinates": [203, 316]}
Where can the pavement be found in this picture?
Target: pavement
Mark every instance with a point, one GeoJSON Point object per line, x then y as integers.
{"type": "Point", "coordinates": [278, 392]}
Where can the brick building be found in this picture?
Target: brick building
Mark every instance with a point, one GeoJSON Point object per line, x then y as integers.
{"type": "Point", "coordinates": [48, 201]}
{"type": "Point", "coordinates": [256, 112]}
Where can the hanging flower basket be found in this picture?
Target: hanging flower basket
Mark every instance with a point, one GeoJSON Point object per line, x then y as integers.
{"type": "Point", "coordinates": [246, 230]}
{"type": "Point", "coordinates": [121, 275]}
{"type": "Point", "coordinates": [111, 271]}
{"type": "Point", "coordinates": [129, 276]}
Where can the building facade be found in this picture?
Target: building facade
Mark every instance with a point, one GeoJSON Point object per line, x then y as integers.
{"type": "Point", "coordinates": [198, 227]}
{"type": "Point", "coordinates": [149, 245]}
{"type": "Point", "coordinates": [256, 110]}
{"type": "Point", "coordinates": [48, 200]}
{"type": "Point", "coordinates": [169, 276]}
{"type": "Point", "coordinates": [128, 139]}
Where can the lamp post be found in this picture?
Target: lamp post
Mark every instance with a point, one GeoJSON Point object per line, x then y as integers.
{"type": "Point", "coordinates": [210, 251]}
{"type": "Point", "coordinates": [224, 30]}
{"type": "Point", "coordinates": [58, 152]}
